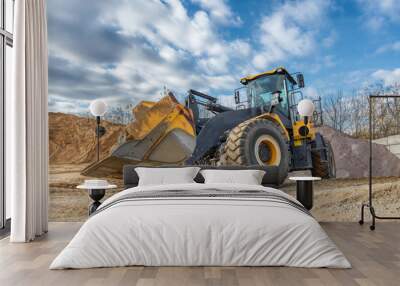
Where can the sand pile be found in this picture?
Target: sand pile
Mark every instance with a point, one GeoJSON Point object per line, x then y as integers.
{"type": "Point", "coordinates": [72, 138]}
{"type": "Point", "coordinates": [352, 156]}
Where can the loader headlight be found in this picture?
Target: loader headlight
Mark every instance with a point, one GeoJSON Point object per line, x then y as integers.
{"type": "Point", "coordinates": [303, 130]}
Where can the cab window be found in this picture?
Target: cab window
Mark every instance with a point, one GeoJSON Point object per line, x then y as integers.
{"type": "Point", "coordinates": [262, 89]}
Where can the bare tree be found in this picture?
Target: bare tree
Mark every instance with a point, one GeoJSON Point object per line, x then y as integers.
{"type": "Point", "coordinates": [385, 112]}
{"type": "Point", "coordinates": [358, 113]}
{"type": "Point", "coordinates": [335, 110]}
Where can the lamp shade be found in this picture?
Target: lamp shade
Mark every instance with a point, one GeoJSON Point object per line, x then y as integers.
{"type": "Point", "coordinates": [98, 107]}
{"type": "Point", "coordinates": [306, 107]}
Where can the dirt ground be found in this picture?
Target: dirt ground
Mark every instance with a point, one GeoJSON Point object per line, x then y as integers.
{"type": "Point", "coordinates": [334, 200]}
{"type": "Point", "coordinates": [67, 203]}
{"type": "Point", "coordinates": [340, 199]}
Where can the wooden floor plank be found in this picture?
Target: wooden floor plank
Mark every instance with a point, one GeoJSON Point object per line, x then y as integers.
{"type": "Point", "coordinates": [375, 257]}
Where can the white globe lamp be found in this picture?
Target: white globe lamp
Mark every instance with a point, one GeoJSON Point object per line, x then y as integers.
{"type": "Point", "coordinates": [98, 108]}
{"type": "Point", "coordinates": [306, 109]}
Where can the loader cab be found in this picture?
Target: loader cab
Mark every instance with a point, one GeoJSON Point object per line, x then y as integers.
{"type": "Point", "coordinates": [272, 89]}
{"type": "Point", "coordinates": [268, 92]}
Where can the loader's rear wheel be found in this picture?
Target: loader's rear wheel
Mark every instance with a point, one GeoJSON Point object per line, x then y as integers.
{"type": "Point", "coordinates": [258, 142]}
{"type": "Point", "coordinates": [324, 168]}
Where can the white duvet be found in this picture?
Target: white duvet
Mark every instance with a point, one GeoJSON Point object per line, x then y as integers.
{"type": "Point", "coordinates": [200, 231]}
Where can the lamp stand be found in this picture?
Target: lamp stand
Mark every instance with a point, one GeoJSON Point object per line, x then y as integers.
{"type": "Point", "coordinates": [98, 138]}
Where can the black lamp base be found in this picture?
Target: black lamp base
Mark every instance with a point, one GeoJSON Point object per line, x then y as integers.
{"type": "Point", "coordinates": [96, 195]}
{"type": "Point", "coordinates": [305, 193]}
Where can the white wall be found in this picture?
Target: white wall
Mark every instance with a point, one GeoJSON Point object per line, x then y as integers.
{"type": "Point", "coordinates": [392, 143]}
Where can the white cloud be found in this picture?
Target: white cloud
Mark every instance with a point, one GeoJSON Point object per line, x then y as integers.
{"type": "Point", "coordinates": [329, 61]}
{"type": "Point", "coordinates": [311, 92]}
{"type": "Point", "coordinates": [60, 103]}
{"type": "Point", "coordinates": [170, 54]}
{"type": "Point", "coordinates": [161, 45]}
{"type": "Point", "coordinates": [288, 32]}
{"type": "Point", "coordinates": [329, 40]}
{"type": "Point", "coordinates": [167, 26]}
{"type": "Point", "coordinates": [212, 65]}
{"type": "Point", "coordinates": [375, 23]}
{"type": "Point", "coordinates": [378, 12]}
{"type": "Point", "coordinates": [219, 11]}
{"type": "Point", "coordinates": [392, 47]}
{"type": "Point", "coordinates": [388, 77]}
{"type": "Point", "coordinates": [240, 48]}
{"type": "Point", "coordinates": [320, 63]}
{"type": "Point", "coordinates": [166, 23]}
{"type": "Point", "coordinates": [220, 64]}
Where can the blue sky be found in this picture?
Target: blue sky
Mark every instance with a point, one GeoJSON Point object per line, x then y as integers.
{"type": "Point", "coordinates": [125, 51]}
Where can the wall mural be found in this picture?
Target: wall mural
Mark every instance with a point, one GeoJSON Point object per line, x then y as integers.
{"type": "Point", "coordinates": [182, 85]}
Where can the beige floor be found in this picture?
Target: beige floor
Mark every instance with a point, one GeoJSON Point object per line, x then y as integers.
{"type": "Point", "coordinates": [375, 257]}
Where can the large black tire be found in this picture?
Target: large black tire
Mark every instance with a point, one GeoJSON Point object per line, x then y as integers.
{"type": "Point", "coordinates": [244, 139]}
{"type": "Point", "coordinates": [324, 168]}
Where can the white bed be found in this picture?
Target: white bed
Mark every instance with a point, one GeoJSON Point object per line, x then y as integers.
{"type": "Point", "coordinates": [206, 230]}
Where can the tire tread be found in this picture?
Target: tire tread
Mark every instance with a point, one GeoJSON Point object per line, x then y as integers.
{"type": "Point", "coordinates": [235, 144]}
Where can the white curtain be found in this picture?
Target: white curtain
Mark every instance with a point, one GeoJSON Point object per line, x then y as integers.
{"type": "Point", "coordinates": [28, 123]}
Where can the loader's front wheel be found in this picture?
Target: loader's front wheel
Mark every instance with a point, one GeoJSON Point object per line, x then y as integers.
{"type": "Point", "coordinates": [258, 142]}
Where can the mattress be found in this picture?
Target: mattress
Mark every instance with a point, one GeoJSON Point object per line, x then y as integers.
{"type": "Point", "coordinates": [201, 225]}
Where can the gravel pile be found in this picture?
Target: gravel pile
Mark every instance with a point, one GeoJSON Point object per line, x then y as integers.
{"type": "Point", "coordinates": [352, 156]}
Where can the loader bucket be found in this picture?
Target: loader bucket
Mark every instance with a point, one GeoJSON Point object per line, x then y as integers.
{"type": "Point", "coordinates": [162, 133]}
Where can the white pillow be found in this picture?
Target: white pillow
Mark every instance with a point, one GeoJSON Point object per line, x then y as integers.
{"type": "Point", "coordinates": [246, 177]}
{"type": "Point", "coordinates": [166, 176]}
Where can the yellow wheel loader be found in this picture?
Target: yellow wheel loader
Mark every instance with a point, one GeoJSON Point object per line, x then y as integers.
{"type": "Point", "coordinates": [263, 128]}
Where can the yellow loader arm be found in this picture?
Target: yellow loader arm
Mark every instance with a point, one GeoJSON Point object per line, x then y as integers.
{"type": "Point", "coordinates": [162, 133]}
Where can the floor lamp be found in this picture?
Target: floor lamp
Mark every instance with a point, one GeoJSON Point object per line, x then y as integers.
{"type": "Point", "coordinates": [98, 108]}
